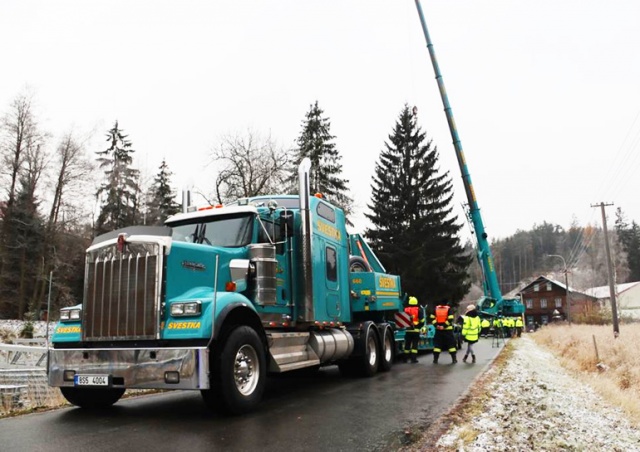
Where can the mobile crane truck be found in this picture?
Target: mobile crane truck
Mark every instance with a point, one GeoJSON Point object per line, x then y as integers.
{"type": "Point", "coordinates": [492, 304]}
{"type": "Point", "coordinates": [218, 298]}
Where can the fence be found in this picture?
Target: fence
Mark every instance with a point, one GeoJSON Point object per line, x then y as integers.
{"type": "Point", "coordinates": [22, 355]}
{"type": "Point", "coordinates": [23, 379]}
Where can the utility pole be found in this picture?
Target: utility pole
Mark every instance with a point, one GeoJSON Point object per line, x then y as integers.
{"type": "Point", "coordinates": [566, 283]}
{"type": "Point", "coordinates": [612, 291]}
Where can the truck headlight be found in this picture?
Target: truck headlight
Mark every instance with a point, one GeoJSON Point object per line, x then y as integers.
{"type": "Point", "coordinates": [190, 308]}
{"type": "Point", "coordinates": [70, 315]}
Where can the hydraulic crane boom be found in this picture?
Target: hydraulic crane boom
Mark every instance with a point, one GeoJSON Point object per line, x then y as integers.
{"type": "Point", "coordinates": [493, 302]}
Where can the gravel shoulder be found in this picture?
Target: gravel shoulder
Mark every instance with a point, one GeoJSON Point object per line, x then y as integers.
{"type": "Point", "coordinates": [527, 401]}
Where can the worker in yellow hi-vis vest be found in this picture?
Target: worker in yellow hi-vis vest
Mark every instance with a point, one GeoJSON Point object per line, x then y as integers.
{"type": "Point", "coordinates": [471, 331]}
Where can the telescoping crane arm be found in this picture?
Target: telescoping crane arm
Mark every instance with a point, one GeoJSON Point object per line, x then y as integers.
{"type": "Point", "coordinates": [493, 303]}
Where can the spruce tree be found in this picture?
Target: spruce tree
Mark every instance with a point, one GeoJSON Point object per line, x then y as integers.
{"type": "Point", "coordinates": [162, 203]}
{"type": "Point", "coordinates": [414, 230]}
{"type": "Point", "coordinates": [629, 239]}
{"type": "Point", "coordinates": [120, 189]}
{"type": "Point", "coordinates": [23, 262]}
{"type": "Point", "coordinates": [316, 143]}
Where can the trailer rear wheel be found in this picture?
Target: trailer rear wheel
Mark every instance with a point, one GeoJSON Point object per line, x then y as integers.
{"type": "Point", "coordinates": [239, 373]}
{"type": "Point", "coordinates": [371, 357]}
{"type": "Point", "coordinates": [388, 349]}
{"type": "Point", "coordinates": [92, 397]}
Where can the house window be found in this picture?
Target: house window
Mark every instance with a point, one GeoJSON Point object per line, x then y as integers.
{"type": "Point", "coordinates": [536, 287]}
{"type": "Point", "coordinates": [543, 303]}
{"type": "Point", "coordinates": [529, 302]}
{"type": "Point", "coordinates": [558, 302]}
{"type": "Point", "coordinates": [548, 287]}
{"type": "Point", "coordinates": [544, 319]}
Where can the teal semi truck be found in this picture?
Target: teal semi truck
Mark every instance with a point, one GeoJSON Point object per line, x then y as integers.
{"type": "Point", "coordinates": [219, 298]}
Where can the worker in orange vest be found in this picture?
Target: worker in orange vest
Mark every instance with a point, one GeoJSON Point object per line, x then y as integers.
{"type": "Point", "coordinates": [412, 334]}
{"type": "Point", "coordinates": [442, 319]}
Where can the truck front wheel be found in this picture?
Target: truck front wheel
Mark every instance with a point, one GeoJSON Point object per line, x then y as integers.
{"type": "Point", "coordinates": [239, 373]}
{"type": "Point", "coordinates": [92, 397]}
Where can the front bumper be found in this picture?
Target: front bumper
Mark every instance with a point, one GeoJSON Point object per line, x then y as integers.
{"type": "Point", "coordinates": [133, 368]}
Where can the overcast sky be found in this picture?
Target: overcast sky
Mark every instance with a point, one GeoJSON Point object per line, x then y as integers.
{"type": "Point", "coordinates": [545, 93]}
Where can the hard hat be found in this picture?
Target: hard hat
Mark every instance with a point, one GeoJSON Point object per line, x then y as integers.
{"type": "Point", "coordinates": [413, 301]}
{"type": "Point", "coordinates": [471, 307]}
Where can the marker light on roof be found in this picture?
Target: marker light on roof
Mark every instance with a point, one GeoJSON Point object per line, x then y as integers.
{"type": "Point", "coordinates": [122, 239]}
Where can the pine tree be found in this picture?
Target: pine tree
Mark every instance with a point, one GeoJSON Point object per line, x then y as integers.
{"type": "Point", "coordinates": [120, 189]}
{"type": "Point", "coordinates": [162, 202]}
{"type": "Point", "coordinates": [629, 239]}
{"type": "Point", "coordinates": [414, 231]}
{"type": "Point", "coordinates": [25, 226]}
{"type": "Point", "coordinates": [316, 143]}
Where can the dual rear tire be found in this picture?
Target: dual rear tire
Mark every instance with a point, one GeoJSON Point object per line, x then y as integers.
{"type": "Point", "coordinates": [377, 354]}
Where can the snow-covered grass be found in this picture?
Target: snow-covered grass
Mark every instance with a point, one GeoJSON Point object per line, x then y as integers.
{"type": "Point", "coordinates": [10, 329]}
{"type": "Point", "coordinates": [528, 400]}
{"type": "Point", "coordinates": [611, 365]}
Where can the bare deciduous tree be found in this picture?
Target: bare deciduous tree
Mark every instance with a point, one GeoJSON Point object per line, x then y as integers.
{"type": "Point", "coordinates": [19, 131]}
{"type": "Point", "coordinates": [72, 169]}
{"type": "Point", "coordinates": [248, 165]}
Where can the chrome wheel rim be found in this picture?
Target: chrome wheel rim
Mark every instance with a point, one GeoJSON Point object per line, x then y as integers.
{"type": "Point", "coordinates": [373, 354]}
{"type": "Point", "coordinates": [388, 352]}
{"type": "Point", "coordinates": [246, 370]}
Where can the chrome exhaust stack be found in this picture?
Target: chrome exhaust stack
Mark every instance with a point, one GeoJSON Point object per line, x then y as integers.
{"type": "Point", "coordinates": [306, 313]}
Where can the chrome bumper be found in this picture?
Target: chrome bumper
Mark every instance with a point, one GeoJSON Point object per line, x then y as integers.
{"type": "Point", "coordinates": [133, 368]}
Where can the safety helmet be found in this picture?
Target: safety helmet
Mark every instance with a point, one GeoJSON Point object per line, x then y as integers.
{"type": "Point", "coordinates": [413, 301]}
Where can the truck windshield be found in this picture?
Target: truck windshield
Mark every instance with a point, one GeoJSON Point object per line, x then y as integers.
{"type": "Point", "coordinates": [228, 231]}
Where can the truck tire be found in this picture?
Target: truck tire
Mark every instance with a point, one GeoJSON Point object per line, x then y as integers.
{"type": "Point", "coordinates": [92, 398]}
{"type": "Point", "coordinates": [358, 264]}
{"type": "Point", "coordinates": [387, 351]}
{"type": "Point", "coordinates": [239, 373]}
{"type": "Point", "coordinates": [371, 359]}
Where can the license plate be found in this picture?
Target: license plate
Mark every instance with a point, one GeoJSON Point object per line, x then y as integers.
{"type": "Point", "coordinates": [91, 380]}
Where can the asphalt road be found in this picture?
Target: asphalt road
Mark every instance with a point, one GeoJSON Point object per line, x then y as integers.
{"type": "Point", "coordinates": [317, 412]}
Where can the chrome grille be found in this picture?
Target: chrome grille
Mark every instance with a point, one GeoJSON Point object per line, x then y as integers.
{"type": "Point", "coordinates": [122, 293]}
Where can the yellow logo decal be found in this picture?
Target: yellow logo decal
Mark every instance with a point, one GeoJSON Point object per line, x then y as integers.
{"type": "Point", "coordinates": [387, 283]}
{"type": "Point", "coordinates": [356, 281]}
{"type": "Point", "coordinates": [328, 230]}
{"type": "Point", "coordinates": [183, 325]}
{"type": "Point", "coordinates": [68, 329]}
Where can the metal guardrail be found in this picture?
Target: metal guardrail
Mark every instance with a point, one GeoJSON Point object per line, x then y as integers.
{"type": "Point", "coordinates": [17, 355]}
